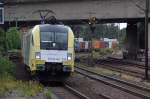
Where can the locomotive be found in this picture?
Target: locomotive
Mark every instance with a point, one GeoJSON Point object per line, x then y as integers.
{"type": "Point", "coordinates": [48, 51]}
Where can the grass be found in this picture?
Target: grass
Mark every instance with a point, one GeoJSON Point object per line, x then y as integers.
{"type": "Point", "coordinates": [26, 89]}
{"type": "Point", "coordinates": [103, 52]}
{"type": "Point", "coordinates": [6, 67]}
{"type": "Point", "coordinates": [9, 84]}
{"type": "Point", "coordinates": [97, 53]}
{"type": "Point", "coordinates": [101, 70]}
{"type": "Point", "coordinates": [47, 93]}
{"type": "Point", "coordinates": [147, 84]}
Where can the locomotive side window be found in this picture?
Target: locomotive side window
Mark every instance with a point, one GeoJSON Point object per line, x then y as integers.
{"type": "Point", "coordinates": [32, 41]}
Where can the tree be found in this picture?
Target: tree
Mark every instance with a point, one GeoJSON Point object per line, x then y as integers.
{"type": "Point", "coordinates": [13, 39]}
{"type": "Point", "coordinates": [101, 31]}
{"type": "Point", "coordinates": [2, 41]}
{"type": "Point", "coordinates": [122, 37]}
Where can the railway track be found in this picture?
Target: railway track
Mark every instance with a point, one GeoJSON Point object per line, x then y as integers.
{"type": "Point", "coordinates": [82, 96]}
{"type": "Point", "coordinates": [130, 88]}
{"type": "Point", "coordinates": [67, 92]}
{"type": "Point", "coordinates": [122, 70]}
{"type": "Point", "coordinates": [125, 62]}
{"type": "Point", "coordinates": [76, 92]}
{"type": "Point", "coordinates": [123, 67]}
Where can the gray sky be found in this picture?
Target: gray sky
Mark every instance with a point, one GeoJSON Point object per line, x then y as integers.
{"type": "Point", "coordinates": [123, 25]}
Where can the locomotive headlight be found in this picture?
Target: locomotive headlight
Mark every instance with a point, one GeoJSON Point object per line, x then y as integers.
{"type": "Point", "coordinates": [37, 55]}
{"type": "Point", "coordinates": [69, 56]}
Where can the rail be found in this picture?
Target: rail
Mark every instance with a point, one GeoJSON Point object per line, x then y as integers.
{"type": "Point", "coordinates": [119, 84]}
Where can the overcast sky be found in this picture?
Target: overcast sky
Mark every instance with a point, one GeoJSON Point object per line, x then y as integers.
{"type": "Point", "coordinates": [123, 25]}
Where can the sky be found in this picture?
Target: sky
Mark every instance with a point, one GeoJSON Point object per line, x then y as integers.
{"type": "Point", "coordinates": [123, 25]}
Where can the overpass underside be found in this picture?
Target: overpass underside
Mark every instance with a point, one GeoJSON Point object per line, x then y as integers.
{"type": "Point", "coordinates": [79, 11]}
{"type": "Point", "coordinates": [75, 10]}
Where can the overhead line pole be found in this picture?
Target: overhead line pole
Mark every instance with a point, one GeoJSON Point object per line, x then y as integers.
{"type": "Point", "coordinates": [146, 37]}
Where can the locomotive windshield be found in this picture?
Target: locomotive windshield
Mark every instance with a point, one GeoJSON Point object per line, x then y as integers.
{"type": "Point", "coordinates": [54, 40]}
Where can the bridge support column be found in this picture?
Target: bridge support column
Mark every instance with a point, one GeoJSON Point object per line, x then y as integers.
{"type": "Point", "coordinates": [131, 44]}
{"type": "Point", "coordinates": [149, 40]}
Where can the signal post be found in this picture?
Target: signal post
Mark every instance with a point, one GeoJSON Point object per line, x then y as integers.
{"type": "Point", "coordinates": [92, 22]}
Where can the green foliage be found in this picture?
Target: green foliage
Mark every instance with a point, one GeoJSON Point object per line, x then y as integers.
{"type": "Point", "coordinates": [13, 39]}
{"type": "Point", "coordinates": [122, 36]}
{"type": "Point", "coordinates": [2, 41]}
{"type": "Point", "coordinates": [101, 31]}
{"type": "Point", "coordinates": [47, 93]}
{"type": "Point", "coordinates": [106, 31]}
{"type": "Point", "coordinates": [6, 67]}
{"type": "Point", "coordinates": [8, 83]}
{"type": "Point", "coordinates": [103, 51]}
{"type": "Point", "coordinates": [100, 53]}
{"type": "Point", "coordinates": [4, 85]}
{"type": "Point", "coordinates": [109, 50]}
{"type": "Point", "coordinates": [2, 36]}
{"type": "Point", "coordinates": [26, 89]}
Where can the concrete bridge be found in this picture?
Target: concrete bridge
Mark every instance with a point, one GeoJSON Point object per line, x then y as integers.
{"type": "Point", "coordinates": [22, 10]}
{"type": "Point", "coordinates": [130, 11]}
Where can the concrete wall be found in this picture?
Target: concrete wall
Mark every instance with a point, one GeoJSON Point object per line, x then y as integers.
{"type": "Point", "coordinates": [102, 9]}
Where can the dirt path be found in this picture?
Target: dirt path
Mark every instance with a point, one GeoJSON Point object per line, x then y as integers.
{"type": "Point", "coordinates": [21, 72]}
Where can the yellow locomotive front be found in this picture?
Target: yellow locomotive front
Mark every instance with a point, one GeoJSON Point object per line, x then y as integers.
{"type": "Point", "coordinates": [51, 50]}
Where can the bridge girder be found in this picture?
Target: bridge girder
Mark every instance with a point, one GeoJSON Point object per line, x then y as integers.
{"type": "Point", "coordinates": [76, 10]}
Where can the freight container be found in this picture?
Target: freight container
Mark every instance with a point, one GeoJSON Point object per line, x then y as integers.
{"type": "Point", "coordinates": [87, 45]}
{"type": "Point", "coordinates": [101, 44]}
{"type": "Point", "coordinates": [96, 44]}
{"type": "Point", "coordinates": [104, 44]}
{"type": "Point", "coordinates": [82, 46]}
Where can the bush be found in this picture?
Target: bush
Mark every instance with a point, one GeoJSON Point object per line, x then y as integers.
{"type": "Point", "coordinates": [9, 84]}
{"type": "Point", "coordinates": [2, 42]}
{"type": "Point", "coordinates": [47, 93]}
{"type": "Point", "coordinates": [25, 89]}
{"type": "Point", "coordinates": [29, 89]}
{"type": "Point", "coordinates": [6, 67]}
{"type": "Point", "coordinates": [13, 39]}
{"type": "Point", "coordinates": [103, 51]}
{"type": "Point", "coordinates": [109, 50]}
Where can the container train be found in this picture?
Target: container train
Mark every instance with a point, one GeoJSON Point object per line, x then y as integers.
{"type": "Point", "coordinates": [85, 46]}
{"type": "Point", "coordinates": [48, 51]}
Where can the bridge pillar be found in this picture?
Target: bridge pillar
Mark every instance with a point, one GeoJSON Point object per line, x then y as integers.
{"type": "Point", "coordinates": [131, 44]}
{"type": "Point", "coordinates": [149, 37]}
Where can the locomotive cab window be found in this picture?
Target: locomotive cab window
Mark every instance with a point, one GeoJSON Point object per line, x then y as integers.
{"type": "Point", "coordinates": [61, 40]}
{"type": "Point", "coordinates": [54, 41]}
{"type": "Point", "coordinates": [47, 37]}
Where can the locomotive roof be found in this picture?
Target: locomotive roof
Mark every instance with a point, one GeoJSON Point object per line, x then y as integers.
{"type": "Point", "coordinates": [53, 28]}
